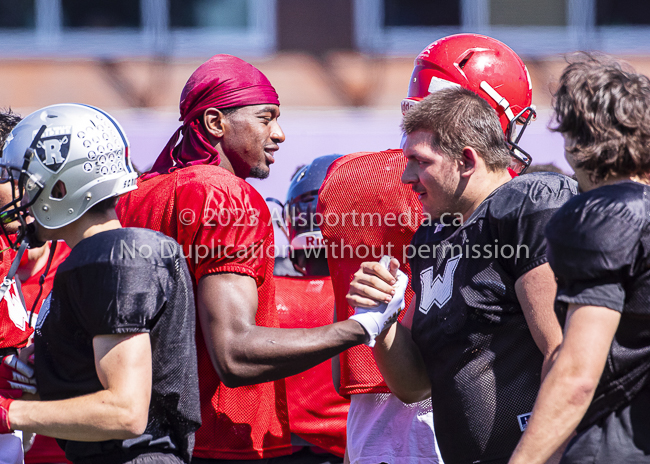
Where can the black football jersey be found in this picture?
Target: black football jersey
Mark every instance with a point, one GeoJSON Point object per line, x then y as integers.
{"type": "Point", "coordinates": [599, 249]}
{"type": "Point", "coordinates": [123, 281]}
{"type": "Point", "coordinates": [481, 359]}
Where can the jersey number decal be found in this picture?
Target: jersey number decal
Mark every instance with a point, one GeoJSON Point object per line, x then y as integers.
{"type": "Point", "coordinates": [437, 290]}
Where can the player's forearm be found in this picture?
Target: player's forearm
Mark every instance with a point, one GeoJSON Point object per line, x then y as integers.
{"type": "Point", "coordinates": [96, 417]}
{"type": "Point", "coordinates": [563, 400]}
{"type": "Point", "coordinates": [568, 389]}
{"type": "Point", "coordinates": [262, 354]}
{"type": "Point", "coordinates": [400, 362]}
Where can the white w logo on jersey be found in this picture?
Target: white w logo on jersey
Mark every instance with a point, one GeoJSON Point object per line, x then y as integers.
{"type": "Point", "coordinates": [437, 290]}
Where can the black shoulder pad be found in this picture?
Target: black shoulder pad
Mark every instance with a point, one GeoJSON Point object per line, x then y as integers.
{"type": "Point", "coordinates": [597, 233]}
{"type": "Point", "coordinates": [532, 193]}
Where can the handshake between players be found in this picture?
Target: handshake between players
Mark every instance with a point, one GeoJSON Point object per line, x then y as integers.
{"type": "Point", "coordinates": [126, 373]}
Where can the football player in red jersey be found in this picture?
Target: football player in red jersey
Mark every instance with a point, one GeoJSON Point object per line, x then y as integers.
{"type": "Point", "coordinates": [196, 193]}
{"type": "Point", "coordinates": [317, 414]}
{"type": "Point", "coordinates": [14, 328]}
{"type": "Point", "coordinates": [36, 274]}
{"type": "Point", "coordinates": [381, 216]}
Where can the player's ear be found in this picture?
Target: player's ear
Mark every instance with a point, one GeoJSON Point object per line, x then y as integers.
{"type": "Point", "coordinates": [214, 121]}
{"type": "Point", "coordinates": [469, 161]}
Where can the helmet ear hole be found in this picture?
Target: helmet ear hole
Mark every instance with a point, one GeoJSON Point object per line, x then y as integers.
{"type": "Point", "coordinates": [465, 59]}
{"type": "Point", "coordinates": [58, 191]}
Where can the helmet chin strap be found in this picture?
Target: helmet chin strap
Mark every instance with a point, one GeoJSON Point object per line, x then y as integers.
{"type": "Point", "coordinates": [501, 101]}
{"type": "Point", "coordinates": [518, 153]}
{"type": "Point", "coordinates": [41, 280]}
{"type": "Point", "coordinates": [30, 236]}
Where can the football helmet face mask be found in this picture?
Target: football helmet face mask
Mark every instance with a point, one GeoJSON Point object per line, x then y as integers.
{"type": "Point", "coordinates": [487, 67]}
{"type": "Point", "coordinates": [63, 159]}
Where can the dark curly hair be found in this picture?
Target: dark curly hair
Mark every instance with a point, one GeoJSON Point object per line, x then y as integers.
{"type": "Point", "coordinates": [603, 111]}
{"type": "Point", "coordinates": [8, 120]}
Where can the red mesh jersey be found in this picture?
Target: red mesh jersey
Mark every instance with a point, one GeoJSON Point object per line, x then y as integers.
{"type": "Point", "coordinates": [30, 287]}
{"type": "Point", "coordinates": [14, 326]}
{"type": "Point", "coordinates": [316, 412]}
{"type": "Point", "coordinates": [223, 225]}
{"type": "Point", "coordinates": [367, 210]}
{"type": "Point", "coordinates": [44, 449]}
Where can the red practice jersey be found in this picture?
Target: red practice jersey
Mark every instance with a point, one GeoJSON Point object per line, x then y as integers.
{"type": "Point", "coordinates": [224, 226]}
{"type": "Point", "coordinates": [31, 286]}
{"type": "Point", "coordinates": [44, 449]}
{"type": "Point", "coordinates": [316, 412]}
{"type": "Point", "coordinates": [14, 324]}
{"type": "Point", "coordinates": [368, 213]}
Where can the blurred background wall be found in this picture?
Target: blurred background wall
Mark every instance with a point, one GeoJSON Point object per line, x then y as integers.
{"type": "Point", "coordinates": [341, 67]}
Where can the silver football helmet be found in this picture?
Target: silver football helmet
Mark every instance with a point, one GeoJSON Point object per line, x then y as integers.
{"type": "Point", "coordinates": [64, 159]}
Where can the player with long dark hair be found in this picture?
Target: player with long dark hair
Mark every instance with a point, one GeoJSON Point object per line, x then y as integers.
{"type": "Point", "coordinates": [599, 249]}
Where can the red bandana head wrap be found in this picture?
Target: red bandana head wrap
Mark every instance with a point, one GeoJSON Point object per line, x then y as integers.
{"type": "Point", "coordinates": [224, 81]}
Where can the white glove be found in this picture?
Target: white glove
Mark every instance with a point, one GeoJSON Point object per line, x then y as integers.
{"type": "Point", "coordinates": [16, 375]}
{"type": "Point", "coordinates": [376, 320]}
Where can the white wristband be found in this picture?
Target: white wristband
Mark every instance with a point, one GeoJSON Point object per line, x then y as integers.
{"type": "Point", "coordinates": [376, 320]}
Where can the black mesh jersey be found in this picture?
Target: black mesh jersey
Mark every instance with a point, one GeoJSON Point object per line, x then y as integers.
{"type": "Point", "coordinates": [120, 282]}
{"type": "Point", "coordinates": [481, 359]}
{"type": "Point", "coordinates": [599, 249]}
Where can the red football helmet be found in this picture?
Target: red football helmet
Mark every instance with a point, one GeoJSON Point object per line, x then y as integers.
{"type": "Point", "coordinates": [489, 68]}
